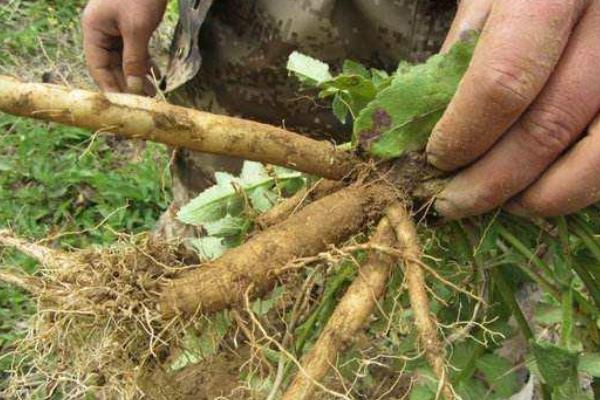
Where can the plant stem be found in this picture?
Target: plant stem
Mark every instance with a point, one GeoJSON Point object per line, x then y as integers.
{"type": "Point", "coordinates": [583, 273]}
{"type": "Point", "coordinates": [583, 232]}
{"type": "Point", "coordinates": [531, 257]}
{"type": "Point", "coordinates": [508, 297]}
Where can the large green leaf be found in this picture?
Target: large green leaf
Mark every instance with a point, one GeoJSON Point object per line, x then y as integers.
{"type": "Point", "coordinates": [208, 248]}
{"type": "Point", "coordinates": [213, 204]}
{"type": "Point", "coordinates": [590, 364]}
{"type": "Point", "coordinates": [401, 117]}
{"type": "Point", "coordinates": [556, 364]}
{"type": "Point", "coordinates": [499, 374]}
{"type": "Point", "coordinates": [197, 347]}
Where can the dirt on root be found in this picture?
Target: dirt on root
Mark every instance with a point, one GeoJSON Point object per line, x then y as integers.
{"type": "Point", "coordinates": [215, 378]}
{"type": "Point", "coordinates": [97, 326]}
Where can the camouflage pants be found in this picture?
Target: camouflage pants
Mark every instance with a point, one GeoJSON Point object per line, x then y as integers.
{"type": "Point", "coordinates": [229, 57]}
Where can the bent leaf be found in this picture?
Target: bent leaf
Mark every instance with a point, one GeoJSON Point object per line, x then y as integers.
{"type": "Point", "coordinates": [215, 202]}
{"type": "Point", "coordinates": [555, 364]}
{"type": "Point", "coordinates": [401, 117]}
{"type": "Point", "coordinates": [308, 70]}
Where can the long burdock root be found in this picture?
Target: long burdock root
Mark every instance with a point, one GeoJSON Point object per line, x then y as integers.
{"type": "Point", "coordinates": [406, 235]}
{"type": "Point", "coordinates": [305, 196]}
{"type": "Point", "coordinates": [260, 260]}
{"type": "Point", "coordinates": [143, 118]}
{"type": "Point", "coordinates": [349, 316]}
{"type": "Point", "coordinates": [46, 256]}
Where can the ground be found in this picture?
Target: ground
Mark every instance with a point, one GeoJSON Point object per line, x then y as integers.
{"type": "Point", "coordinates": [67, 185]}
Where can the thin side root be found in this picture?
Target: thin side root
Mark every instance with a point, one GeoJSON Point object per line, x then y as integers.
{"type": "Point", "coordinates": [28, 283]}
{"type": "Point", "coordinates": [45, 255]}
{"type": "Point", "coordinates": [406, 235]}
{"type": "Point", "coordinates": [348, 318]}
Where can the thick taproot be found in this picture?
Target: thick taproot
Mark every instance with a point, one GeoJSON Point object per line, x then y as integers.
{"type": "Point", "coordinates": [408, 241]}
{"type": "Point", "coordinates": [149, 119]}
{"type": "Point", "coordinates": [257, 263]}
{"type": "Point", "coordinates": [349, 317]}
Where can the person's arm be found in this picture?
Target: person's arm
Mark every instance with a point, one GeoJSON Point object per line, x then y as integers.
{"type": "Point", "coordinates": [521, 122]}
{"type": "Point", "coordinates": [116, 34]}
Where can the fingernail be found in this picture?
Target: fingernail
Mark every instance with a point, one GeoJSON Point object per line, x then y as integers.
{"type": "Point", "coordinates": [448, 208]}
{"type": "Point", "coordinates": [433, 159]}
{"type": "Point", "coordinates": [432, 151]}
{"type": "Point", "coordinates": [460, 198]}
{"type": "Point", "coordinates": [449, 202]}
{"type": "Point", "coordinates": [440, 162]}
{"type": "Point", "coordinates": [135, 85]}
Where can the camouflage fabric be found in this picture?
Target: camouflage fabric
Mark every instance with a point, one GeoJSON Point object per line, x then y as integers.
{"type": "Point", "coordinates": [244, 45]}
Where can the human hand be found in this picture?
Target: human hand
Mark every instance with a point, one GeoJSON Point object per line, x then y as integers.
{"type": "Point", "coordinates": [116, 34]}
{"type": "Point", "coordinates": [522, 120]}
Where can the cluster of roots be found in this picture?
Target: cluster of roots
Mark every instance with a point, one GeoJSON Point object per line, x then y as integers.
{"type": "Point", "coordinates": [97, 326]}
{"type": "Point", "coordinates": [108, 317]}
{"type": "Point", "coordinates": [103, 315]}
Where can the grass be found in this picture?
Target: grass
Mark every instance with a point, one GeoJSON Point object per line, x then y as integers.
{"type": "Point", "coordinates": [41, 37]}
{"type": "Point", "coordinates": [60, 182]}
{"type": "Point", "coordinates": [64, 183]}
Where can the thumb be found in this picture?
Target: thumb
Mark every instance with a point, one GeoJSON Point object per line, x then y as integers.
{"type": "Point", "coordinates": [136, 62]}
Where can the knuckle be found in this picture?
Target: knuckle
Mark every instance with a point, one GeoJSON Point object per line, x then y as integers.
{"type": "Point", "coordinates": [136, 27]}
{"type": "Point", "coordinates": [568, 8]}
{"type": "Point", "coordinates": [538, 206]}
{"type": "Point", "coordinates": [548, 129]}
{"type": "Point", "coordinates": [507, 86]}
{"type": "Point", "coordinates": [135, 65]}
{"type": "Point", "coordinates": [87, 17]}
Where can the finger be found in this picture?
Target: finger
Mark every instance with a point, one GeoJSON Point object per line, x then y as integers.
{"type": "Point", "coordinates": [136, 59]}
{"type": "Point", "coordinates": [520, 44]}
{"type": "Point", "coordinates": [470, 16]}
{"type": "Point", "coordinates": [569, 185]}
{"type": "Point", "coordinates": [100, 58]}
{"type": "Point", "coordinates": [569, 101]}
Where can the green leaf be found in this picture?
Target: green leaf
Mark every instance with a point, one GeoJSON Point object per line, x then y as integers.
{"type": "Point", "coordinates": [380, 79]}
{"type": "Point", "coordinates": [340, 108]}
{"type": "Point", "coordinates": [548, 314]}
{"type": "Point", "coordinates": [356, 91]}
{"type": "Point", "coordinates": [555, 364]}
{"type": "Point", "coordinates": [228, 226]}
{"type": "Point", "coordinates": [570, 390]}
{"type": "Point", "coordinates": [589, 363]}
{"type": "Point", "coordinates": [471, 390]}
{"type": "Point", "coordinates": [208, 206]}
{"type": "Point", "coordinates": [198, 348]}
{"type": "Point", "coordinates": [401, 117]}
{"type": "Point", "coordinates": [499, 374]}
{"type": "Point", "coordinates": [421, 392]}
{"type": "Point", "coordinates": [262, 199]}
{"type": "Point", "coordinates": [263, 306]}
{"type": "Point", "coordinates": [225, 197]}
{"type": "Point", "coordinates": [351, 67]}
{"type": "Point", "coordinates": [208, 248]}
{"type": "Point", "coordinates": [308, 70]}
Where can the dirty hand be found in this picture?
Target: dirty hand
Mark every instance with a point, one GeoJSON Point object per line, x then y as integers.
{"type": "Point", "coordinates": [116, 34]}
{"type": "Point", "coordinates": [523, 119]}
